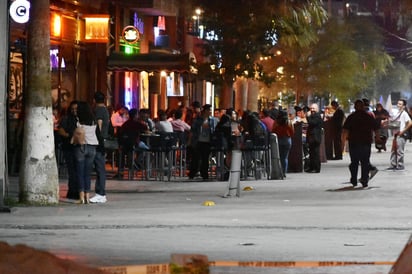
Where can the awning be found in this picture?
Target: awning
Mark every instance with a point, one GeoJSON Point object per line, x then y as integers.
{"type": "Point", "coordinates": [149, 62]}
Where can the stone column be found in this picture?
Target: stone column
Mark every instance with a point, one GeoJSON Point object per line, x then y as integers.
{"type": "Point", "coordinates": [252, 95]}
{"type": "Point", "coordinates": [241, 87]}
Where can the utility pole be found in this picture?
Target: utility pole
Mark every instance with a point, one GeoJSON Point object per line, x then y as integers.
{"type": "Point", "coordinates": [4, 55]}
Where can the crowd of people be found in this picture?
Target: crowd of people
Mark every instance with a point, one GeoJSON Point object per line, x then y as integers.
{"type": "Point", "coordinates": [319, 135]}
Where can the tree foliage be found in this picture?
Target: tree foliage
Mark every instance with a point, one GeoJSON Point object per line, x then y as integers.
{"type": "Point", "coordinates": [349, 63]}
{"type": "Point", "coordinates": [245, 30]}
{"type": "Point", "coordinates": [343, 63]}
{"type": "Point", "coordinates": [397, 79]}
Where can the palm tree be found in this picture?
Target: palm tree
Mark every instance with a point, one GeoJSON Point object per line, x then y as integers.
{"type": "Point", "coordinates": [38, 173]}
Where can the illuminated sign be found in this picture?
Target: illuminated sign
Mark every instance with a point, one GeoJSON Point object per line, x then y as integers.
{"type": "Point", "coordinates": [97, 28]}
{"type": "Point", "coordinates": [131, 34]}
{"type": "Point", "coordinates": [19, 11]}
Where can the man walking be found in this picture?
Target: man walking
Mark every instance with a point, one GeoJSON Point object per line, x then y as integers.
{"type": "Point", "coordinates": [358, 130]}
{"type": "Point", "coordinates": [400, 137]}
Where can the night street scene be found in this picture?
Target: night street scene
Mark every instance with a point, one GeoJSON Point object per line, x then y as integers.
{"type": "Point", "coordinates": [203, 136]}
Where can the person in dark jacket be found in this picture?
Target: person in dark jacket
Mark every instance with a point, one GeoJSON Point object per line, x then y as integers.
{"type": "Point", "coordinates": [66, 128]}
{"type": "Point", "coordinates": [336, 124]}
{"type": "Point", "coordinates": [314, 138]}
{"type": "Point", "coordinates": [358, 130]}
{"type": "Point", "coordinates": [200, 136]}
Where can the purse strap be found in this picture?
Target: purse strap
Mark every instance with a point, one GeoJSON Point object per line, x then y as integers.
{"type": "Point", "coordinates": [397, 117]}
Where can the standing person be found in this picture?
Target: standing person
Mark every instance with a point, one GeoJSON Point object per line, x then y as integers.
{"type": "Point", "coordinates": [284, 131]}
{"type": "Point", "coordinates": [194, 113]}
{"type": "Point", "coordinates": [201, 130]}
{"type": "Point", "coordinates": [337, 120]}
{"type": "Point", "coordinates": [400, 137]}
{"type": "Point", "coordinates": [314, 138]}
{"type": "Point", "coordinates": [302, 121]}
{"type": "Point", "coordinates": [267, 120]}
{"type": "Point", "coordinates": [102, 118]}
{"type": "Point", "coordinates": [85, 142]}
{"type": "Point", "coordinates": [67, 126]}
{"type": "Point", "coordinates": [191, 115]}
{"type": "Point", "coordinates": [382, 117]}
{"type": "Point", "coordinates": [358, 130]}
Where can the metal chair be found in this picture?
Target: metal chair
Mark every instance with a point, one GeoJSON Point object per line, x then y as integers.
{"type": "Point", "coordinates": [180, 162]}
{"type": "Point", "coordinates": [161, 153]}
{"type": "Point", "coordinates": [256, 157]}
{"type": "Point", "coordinates": [218, 149]}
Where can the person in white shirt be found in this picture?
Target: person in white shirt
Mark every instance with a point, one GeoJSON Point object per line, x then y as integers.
{"type": "Point", "coordinates": [119, 117]}
{"type": "Point", "coordinates": [399, 141]}
{"type": "Point", "coordinates": [163, 125]}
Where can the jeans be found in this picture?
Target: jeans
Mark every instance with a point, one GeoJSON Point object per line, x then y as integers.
{"type": "Point", "coordinates": [84, 155]}
{"type": "Point", "coordinates": [285, 143]}
{"type": "Point", "coordinates": [100, 166]}
{"type": "Point", "coordinates": [359, 153]}
{"type": "Point", "coordinates": [397, 155]}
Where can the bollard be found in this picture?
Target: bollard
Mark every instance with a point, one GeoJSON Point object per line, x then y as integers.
{"type": "Point", "coordinates": [234, 177]}
{"type": "Point", "coordinates": [276, 167]}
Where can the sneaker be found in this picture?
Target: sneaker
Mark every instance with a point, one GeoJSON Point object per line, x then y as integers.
{"type": "Point", "coordinates": [354, 182]}
{"type": "Point", "coordinates": [98, 199]}
{"type": "Point", "coordinates": [364, 184]}
{"type": "Point", "coordinates": [372, 173]}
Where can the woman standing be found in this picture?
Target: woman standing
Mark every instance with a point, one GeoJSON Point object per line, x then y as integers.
{"type": "Point", "coordinates": [382, 118]}
{"type": "Point", "coordinates": [85, 142]}
{"type": "Point", "coordinates": [284, 131]}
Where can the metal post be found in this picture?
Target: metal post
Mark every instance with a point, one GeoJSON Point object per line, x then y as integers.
{"type": "Point", "coordinates": [4, 57]}
{"type": "Point", "coordinates": [276, 167]}
{"type": "Point", "coordinates": [234, 177]}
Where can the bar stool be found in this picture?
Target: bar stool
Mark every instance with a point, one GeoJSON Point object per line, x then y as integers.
{"type": "Point", "coordinates": [256, 157]}
{"type": "Point", "coordinates": [180, 154]}
{"type": "Point", "coordinates": [218, 147]}
{"type": "Point", "coordinates": [160, 157]}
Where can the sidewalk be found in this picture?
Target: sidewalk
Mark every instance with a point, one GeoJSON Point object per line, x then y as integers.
{"type": "Point", "coordinates": [304, 217]}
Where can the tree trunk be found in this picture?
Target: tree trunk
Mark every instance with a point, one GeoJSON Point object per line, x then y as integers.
{"type": "Point", "coordinates": [39, 182]}
{"type": "Point", "coordinates": [3, 102]}
{"type": "Point", "coordinates": [226, 95]}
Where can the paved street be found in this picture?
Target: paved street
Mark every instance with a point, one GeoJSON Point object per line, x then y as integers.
{"type": "Point", "coordinates": [306, 217]}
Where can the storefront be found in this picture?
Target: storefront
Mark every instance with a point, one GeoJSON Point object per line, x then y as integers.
{"type": "Point", "coordinates": [78, 40]}
{"type": "Point", "coordinates": [153, 80]}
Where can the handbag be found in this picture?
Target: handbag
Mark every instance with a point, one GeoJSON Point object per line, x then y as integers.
{"type": "Point", "coordinates": [79, 136]}
{"type": "Point", "coordinates": [394, 124]}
